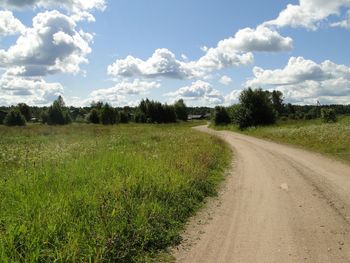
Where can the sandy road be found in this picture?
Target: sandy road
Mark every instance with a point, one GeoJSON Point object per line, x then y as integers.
{"type": "Point", "coordinates": [279, 204]}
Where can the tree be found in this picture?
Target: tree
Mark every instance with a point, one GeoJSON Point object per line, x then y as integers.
{"type": "Point", "coordinates": [181, 110]}
{"type": "Point", "coordinates": [108, 115]}
{"type": "Point", "coordinates": [94, 117]}
{"type": "Point", "coordinates": [57, 114]}
{"type": "Point", "coordinates": [155, 112]}
{"type": "Point", "coordinates": [277, 101]}
{"type": "Point", "coordinates": [221, 116]}
{"type": "Point", "coordinates": [328, 115]}
{"type": "Point", "coordinates": [140, 117]}
{"type": "Point", "coordinates": [14, 118]}
{"type": "Point", "coordinates": [25, 111]}
{"type": "Point", "coordinates": [256, 108]}
{"type": "Point", "coordinates": [168, 114]}
{"type": "Point", "coordinates": [124, 117]}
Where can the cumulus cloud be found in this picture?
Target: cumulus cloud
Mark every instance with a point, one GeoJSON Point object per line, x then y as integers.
{"type": "Point", "coordinates": [305, 81]}
{"type": "Point", "coordinates": [225, 80]}
{"type": "Point", "coordinates": [67, 4]}
{"type": "Point", "coordinates": [229, 52]}
{"type": "Point", "coordinates": [232, 97]}
{"type": "Point", "coordinates": [33, 91]}
{"type": "Point", "coordinates": [162, 63]}
{"type": "Point", "coordinates": [136, 87]}
{"type": "Point", "coordinates": [9, 25]}
{"type": "Point", "coordinates": [199, 92]}
{"type": "Point", "coordinates": [261, 39]}
{"type": "Point", "coordinates": [308, 13]}
{"type": "Point", "coordinates": [52, 45]}
{"type": "Point", "coordinates": [119, 95]}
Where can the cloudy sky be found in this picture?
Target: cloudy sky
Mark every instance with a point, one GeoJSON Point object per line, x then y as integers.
{"type": "Point", "coordinates": [205, 52]}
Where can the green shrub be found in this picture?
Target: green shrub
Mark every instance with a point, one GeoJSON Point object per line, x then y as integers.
{"type": "Point", "coordinates": [108, 115]}
{"type": "Point", "coordinates": [93, 117]}
{"type": "Point", "coordinates": [14, 118]}
{"type": "Point", "coordinates": [124, 117]}
{"type": "Point", "coordinates": [328, 115]}
{"type": "Point", "coordinates": [140, 117]}
{"type": "Point", "coordinates": [58, 114]}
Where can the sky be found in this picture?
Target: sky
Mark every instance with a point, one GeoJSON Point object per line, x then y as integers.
{"type": "Point", "coordinates": [205, 52]}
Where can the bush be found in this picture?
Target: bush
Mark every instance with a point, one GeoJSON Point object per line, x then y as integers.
{"type": "Point", "coordinates": [328, 115]}
{"type": "Point", "coordinates": [2, 116]}
{"type": "Point", "coordinates": [221, 116]}
{"type": "Point", "coordinates": [25, 111]}
{"type": "Point", "coordinates": [140, 117]}
{"type": "Point", "coordinates": [108, 115]}
{"type": "Point", "coordinates": [93, 117]}
{"type": "Point", "coordinates": [124, 117]}
{"type": "Point", "coordinates": [14, 118]}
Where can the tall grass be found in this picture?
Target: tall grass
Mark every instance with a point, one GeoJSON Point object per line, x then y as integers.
{"type": "Point", "coordinates": [84, 193]}
{"type": "Point", "coordinates": [326, 138]}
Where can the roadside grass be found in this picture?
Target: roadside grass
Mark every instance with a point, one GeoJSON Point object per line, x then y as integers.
{"type": "Point", "coordinates": [329, 139]}
{"type": "Point", "coordinates": [84, 193]}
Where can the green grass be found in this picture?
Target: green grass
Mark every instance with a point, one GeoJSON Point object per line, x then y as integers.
{"type": "Point", "coordinates": [329, 139]}
{"type": "Point", "coordinates": [84, 193]}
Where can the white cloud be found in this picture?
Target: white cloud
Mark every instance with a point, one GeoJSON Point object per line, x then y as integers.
{"type": "Point", "coordinates": [304, 81]}
{"type": "Point", "coordinates": [67, 4]}
{"type": "Point", "coordinates": [261, 39]}
{"type": "Point", "coordinates": [199, 92]}
{"type": "Point", "coordinates": [9, 25]}
{"type": "Point", "coordinates": [232, 97]}
{"type": "Point", "coordinates": [308, 13]}
{"type": "Point", "coordinates": [344, 23]}
{"type": "Point", "coordinates": [51, 46]}
{"type": "Point", "coordinates": [184, 57]}
{"type": "Point", "coordinates": [33, 91]}
{"type": "Point", "coordinates": [162, 63]}
{"type": "Point", "coordinates": [225, 80]}
{"type": "Point", "coordinates": [229, 52]}
{"type": "Point", "coordinates": [136, 87]}
{"type": "Point", "coordinates": [119, 95]}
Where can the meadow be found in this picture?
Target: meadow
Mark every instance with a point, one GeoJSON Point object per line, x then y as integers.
{"type": "Point", "coordinates": [91, 193]}
{"type": "Point", "coordinates": [331, 139]}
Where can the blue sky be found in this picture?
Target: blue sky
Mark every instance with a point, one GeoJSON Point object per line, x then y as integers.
{"type": "Point", "coordinates": [205, 52]}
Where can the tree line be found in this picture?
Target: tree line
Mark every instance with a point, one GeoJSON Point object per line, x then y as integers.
{"type": "Point", "coordinates": [259, 107]}
{"type": "Point", "coordinates": [148, 111]}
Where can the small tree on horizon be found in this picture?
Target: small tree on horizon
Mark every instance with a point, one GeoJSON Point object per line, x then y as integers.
{"type": "Point", "coordinates": [25, 111]}
{"type": "Point", "coordinates": [108, 115]}
{"type": "Point", "coordinates": [181, 110]}
{"type": "Point", "coordinates": [57, 114]}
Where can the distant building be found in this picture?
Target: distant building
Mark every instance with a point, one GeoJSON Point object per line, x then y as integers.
{"type": "Point", "coordinates": [199, 116]}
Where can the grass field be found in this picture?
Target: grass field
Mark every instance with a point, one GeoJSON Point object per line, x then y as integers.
{"type": "Point", "coordinates": [84, 193]}
{"type": "Point", "coordinates": [330, 139]}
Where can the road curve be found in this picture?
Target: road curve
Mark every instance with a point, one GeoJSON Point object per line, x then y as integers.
{"type": "Point", "coordinates": [280, 204]}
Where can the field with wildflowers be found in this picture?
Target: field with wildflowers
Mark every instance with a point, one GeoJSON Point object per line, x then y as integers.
{"type": "Point", "coordinates": [332, 139]}
{"type": "Point", "coordinates": [83, 193]}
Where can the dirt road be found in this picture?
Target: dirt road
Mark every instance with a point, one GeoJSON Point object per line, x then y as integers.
{"type": "Point", "coordinates": [279, 204]}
